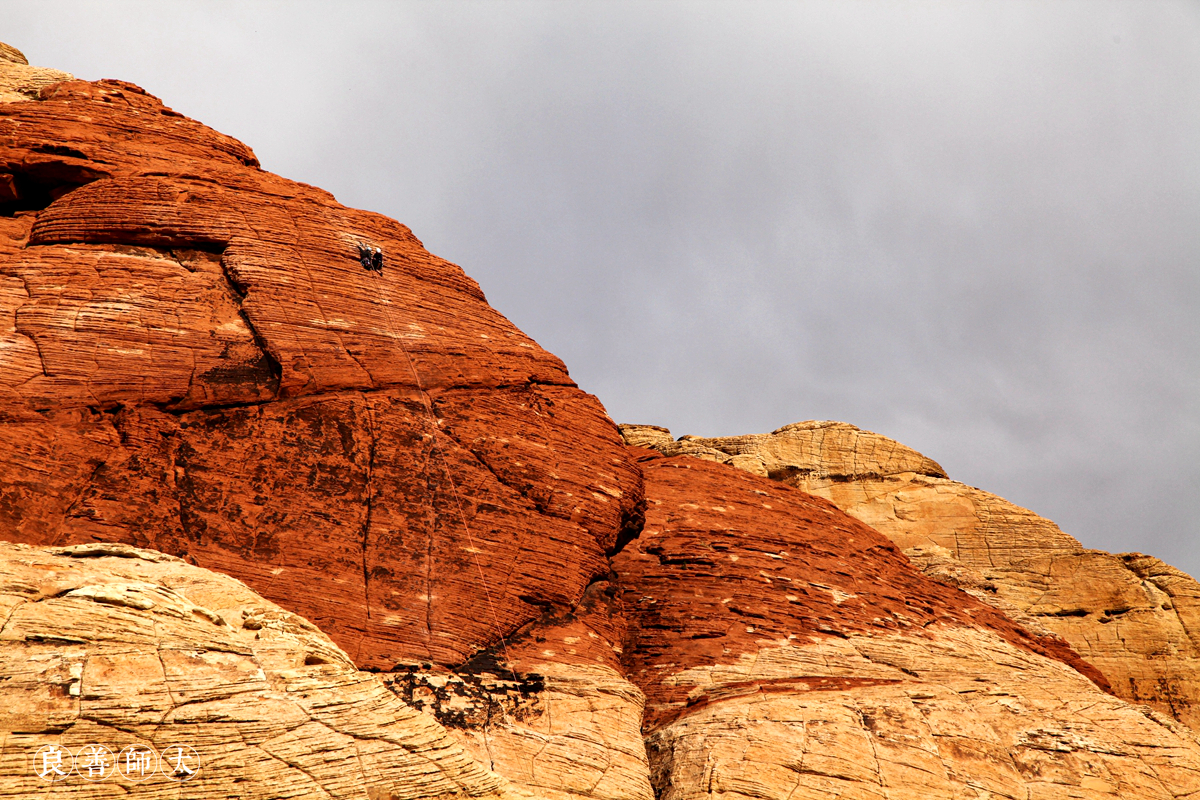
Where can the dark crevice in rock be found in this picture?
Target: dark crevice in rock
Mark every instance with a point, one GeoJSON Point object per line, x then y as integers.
{"type": "Point", "coordinates": [177, 250]}
{"type": "Point", "coordinates": [633, 521]}
{"type": "Point", "coordinates": [538, 602]}
{"type": "Point", "coordinates": [191, 525]}
{"type": "Point", "coordinates": [179, 410]}
{"type": "Point", "coordinates": [174, 409]}
{"type": "Point", "coordinates": [797, 474]}
{"type": "Point", "coordinates": [33, 186]}
{"type": "Point", "coordinates": [369, 491]}
{"type": "Point", "coordinates": [488, 661]}
{"type": "Point", "coordinates": [271, 360]}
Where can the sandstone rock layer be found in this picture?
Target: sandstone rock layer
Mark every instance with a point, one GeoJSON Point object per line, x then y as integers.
{"type": "Point", "coordinates": [787, 651]}
{"type": "Point", "coordinates": [115, 646]}
{"type": "Point", "coordinates": [558, 717]}
{"type": "Point", "coordinates": [20, 81]}
{"type": "Point", "coordinates": [1131, 616]}
{"type": "Point", "coordinates": [193, 359]}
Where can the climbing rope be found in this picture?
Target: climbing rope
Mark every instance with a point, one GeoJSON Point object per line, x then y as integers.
{"type": "Point", "coordinates": [372, 261]}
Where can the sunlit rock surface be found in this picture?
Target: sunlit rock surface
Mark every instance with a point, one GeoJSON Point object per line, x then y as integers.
{"type": "Point", "coordinates": [787, 650]}
{"type": "Point", "coordinates": [193, 359]}
{"type": "Point", "coordinates": [1130, 615]}
{"type": "Point", "coordinates": [115, 646]}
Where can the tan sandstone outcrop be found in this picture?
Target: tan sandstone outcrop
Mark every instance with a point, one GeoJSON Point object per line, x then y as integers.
{"type": "Point", "coordinates": [1132, 616]}
{"type": "Point", "coordinates": [20, 81]}
{"type": "Point", "coordinates": [554, 712]}
{"type": "Point", "coordinates": [116, 646]}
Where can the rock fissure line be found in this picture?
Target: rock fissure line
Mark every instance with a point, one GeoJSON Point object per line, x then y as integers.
{"type": "Point", "coordinates": [17, 323]}
{"type": "Point", "coordinates": [433, 420]}
{"type": "Point", "coordinates": [369, 491]}
{"type": "Point", "coordinates": [317, 784]}
{"type": "Point", "coordinates": [538, 506]}
{"type": "Point", "coordinates": [179, 462]}
{"type": "Point", "coordinates": [1165, 588]}
{"type": "Point", "coordinates": [240, 292]}
{"type": "Point", "coordinates": [431, 522]}
{"type": "Point", "coordinates": [84, 487]}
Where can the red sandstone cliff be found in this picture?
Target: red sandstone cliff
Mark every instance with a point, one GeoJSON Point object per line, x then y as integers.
{"type": "Point", "coordinates": [192, 359]}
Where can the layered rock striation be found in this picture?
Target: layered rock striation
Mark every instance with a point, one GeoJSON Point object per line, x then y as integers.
{"type": "Point", "coordinates": [118, 647]}
{"type": "Point", "coordinates": [20, 81]}
{"type": "Point", "coordinates": [1131, 616]}
{"type": "Point", "coordinates": [193, 359]}
{"type": "Point", "coordinates": [787, 650]}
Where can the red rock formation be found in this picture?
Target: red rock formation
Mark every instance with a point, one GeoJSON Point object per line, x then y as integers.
{"type": "Point", "coordinates": [1129, 615]}
{"type": "Point", "coordinates": [729, 561]}
{"type": "Point", "coordinates": [192, 359]}
{"type": "Point", "coordinates": [787, 651]}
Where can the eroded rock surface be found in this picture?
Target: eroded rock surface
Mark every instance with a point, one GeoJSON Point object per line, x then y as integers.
{"type": "Point", "coordinates": [787, 650]}
{"type": "Point", "coordinates": [573, 733]}
{"type": "Point", "coordinates": [555, 715]}
{"type": "Point", "coordinates": [587, 743]}
{"type": "Point", "coordinates": [20, 81]}
{"type": "Point", "coordinates": [193, 359]}
{"type": "Point", "coordinates": [113, 645]}
{"type": "Point", "coordinates": [116, 646]}
{"type": "Point", "coordinates": [1133, 617]}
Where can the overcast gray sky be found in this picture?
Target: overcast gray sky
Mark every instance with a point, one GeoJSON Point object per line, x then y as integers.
{"type": "Point", "coordinates": [973, 227]}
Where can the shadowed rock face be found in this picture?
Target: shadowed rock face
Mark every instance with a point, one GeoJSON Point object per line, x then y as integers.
{"type": "Point", "coordinates": [1131, 616]}
{"type": "Point", "coordinates": [193, 359]}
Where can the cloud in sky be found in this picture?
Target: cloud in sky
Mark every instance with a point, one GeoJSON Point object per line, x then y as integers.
{"type": "Point", "coordinates": [974, 228]}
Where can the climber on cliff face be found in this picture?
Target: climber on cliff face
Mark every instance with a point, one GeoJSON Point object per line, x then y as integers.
{"type": "Point", "coordinates": [371, 260]}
